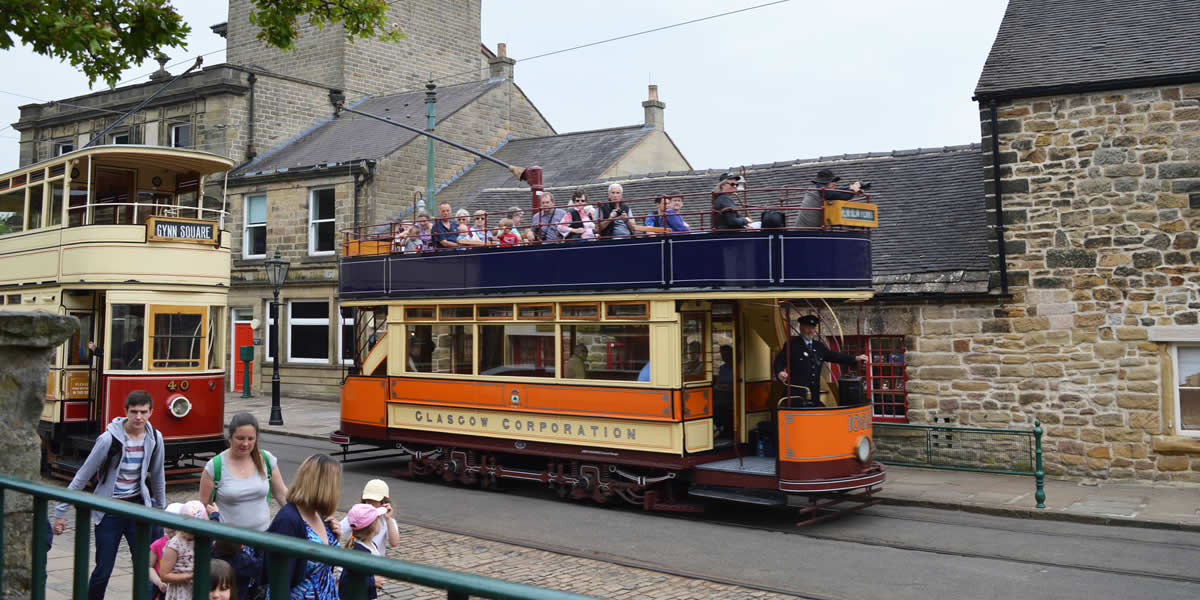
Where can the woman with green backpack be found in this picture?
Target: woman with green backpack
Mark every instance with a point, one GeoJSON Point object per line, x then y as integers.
{"type": "Point", "coordinates": [243, 479]}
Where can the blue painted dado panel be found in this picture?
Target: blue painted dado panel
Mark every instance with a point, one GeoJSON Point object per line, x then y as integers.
{"type": "Point", "coordinates": [784, 260]}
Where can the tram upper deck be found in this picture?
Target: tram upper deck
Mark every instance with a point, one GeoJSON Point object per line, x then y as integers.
{"type": "Point", "coordinates": [113, 215]}
{"type": "Point", "coordinates": [830, 260]}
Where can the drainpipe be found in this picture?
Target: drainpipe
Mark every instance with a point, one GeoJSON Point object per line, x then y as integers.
{"type": "Point", "coordinates": [430, 100]}
{"type": "Point", "coordinates": [250, 153]}
{"type": "Point", "coordinates": [999, 204]}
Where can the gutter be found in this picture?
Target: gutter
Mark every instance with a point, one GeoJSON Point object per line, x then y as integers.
{"type": "Point", "coordinates": [1000, 250]}
{"type": "Point", "coordinates": [1090, 86]}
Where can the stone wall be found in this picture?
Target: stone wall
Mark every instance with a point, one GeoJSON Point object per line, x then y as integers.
{"type": "Point", "coordinates": [1101, 249]}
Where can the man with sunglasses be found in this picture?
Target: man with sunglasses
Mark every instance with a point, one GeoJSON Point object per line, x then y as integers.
{"type": "Point", "coordinates": [725, 216]}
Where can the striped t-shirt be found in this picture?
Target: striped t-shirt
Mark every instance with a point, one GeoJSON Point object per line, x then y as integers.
{"type": "Point", "coordinates": [129, 474]}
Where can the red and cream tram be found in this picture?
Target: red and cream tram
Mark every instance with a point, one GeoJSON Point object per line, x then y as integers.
{"type": "Point", "coordinates": [646, 377]}
{"type": "Point", "coordinates": [124, 239]}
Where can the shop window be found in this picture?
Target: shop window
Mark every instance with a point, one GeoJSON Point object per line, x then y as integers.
{"type": "Point", "coordinates": [308, 331]}
{"type": "Point", "coordinates": [321, 222]}
{"type": "Point", "coordinates": [1187, 390]}
{"type": "Point", "coordinates": [440, 349]}
{"type": "Point", "coordinates": [884, 374]}
{"type": "Point", "coordinates": [517, 350]}
{"type": "Point", "coordinates": [127, 343]}
{"type": "Point", "coordinates": [693, 347]}
{"type": "Point", "coordinates": [608, 352]}
{"type": "Point", "coordinates": [177, 337]}
{"type": "Point", "coordinates": [181, 136]}
{"type": "Point", "coordinates": [254, 228]}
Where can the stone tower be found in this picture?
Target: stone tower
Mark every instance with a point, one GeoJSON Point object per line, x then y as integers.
{"type": "Point", "coordinates": [443, 39]}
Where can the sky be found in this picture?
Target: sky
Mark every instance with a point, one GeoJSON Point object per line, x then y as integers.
{"type": "Point", "coordinates": [797, 79]}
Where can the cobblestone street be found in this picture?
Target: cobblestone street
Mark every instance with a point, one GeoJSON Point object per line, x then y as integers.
{"type": "Point", "coordinates": [460, 553]}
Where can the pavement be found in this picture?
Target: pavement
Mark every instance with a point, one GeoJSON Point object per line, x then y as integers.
{"type": "Point", "coordinates": [1151, 505]}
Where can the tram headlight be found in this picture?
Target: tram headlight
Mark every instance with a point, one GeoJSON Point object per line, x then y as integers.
{"type": "Point", "coordinates": [179, 406]}
{"type": "Point", "coordinates": [863, 450]}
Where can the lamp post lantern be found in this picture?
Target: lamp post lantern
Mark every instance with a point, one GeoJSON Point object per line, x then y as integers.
{"type": "Point", "coordinates": [277, 269]}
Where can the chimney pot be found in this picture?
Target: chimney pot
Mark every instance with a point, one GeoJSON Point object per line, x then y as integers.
{"type": "Point", "coordinates": [654, 109]}
{"type": "Point", "coordinates": [653, 92]}
{"type": "Point", "coordinates": [502, 50]}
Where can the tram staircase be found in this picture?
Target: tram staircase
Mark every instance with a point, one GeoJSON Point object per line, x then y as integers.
{"type": "Point", "coordinates": [755, 475]}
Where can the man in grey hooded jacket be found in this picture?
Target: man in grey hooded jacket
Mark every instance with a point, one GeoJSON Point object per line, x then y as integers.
{"type": "Point", "coordinates": [122, 476]}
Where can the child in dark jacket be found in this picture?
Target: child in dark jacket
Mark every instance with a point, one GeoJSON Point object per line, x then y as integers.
{"type": "Point", "coordinates": [364, 524]}
{"type": "Point", "coordinates": [246, 567]}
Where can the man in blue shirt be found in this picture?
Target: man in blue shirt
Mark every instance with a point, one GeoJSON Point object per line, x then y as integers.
{"type": "Point", "coordinates": [445, 230]}
{"type": "Point", "coordinates": [666, 217]}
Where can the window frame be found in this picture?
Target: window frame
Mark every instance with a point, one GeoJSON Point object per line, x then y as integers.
{"type": "Point", "coordinates": [644, 317]}
{"type": "Point", "coordinates": [480, 308]}
{"type": "Point", "coordinates": [58, 148]}
{"type": "Point", "coordinates": [173, 137]}
{"type": "Point", "coordinates": [862, 344]}
{"type": "Point", "coordinates": [308, 322]}
{"type": "Point", "coordinates": [562, 314]}
{"type": "Point", "coordinates": [343, 321]}
{"type": "Point", "coordinates": [312, 222]}
{"type": "Point", "coordinates": [535, 305]}
{"type": "Point", "coordinates": [444, 307]}
{"type": "Point", "coordinates": [246, 225]}
{"type": "Point", "coordinates": [432, 307]}
{"type": "Point", "coordinates": [152, 312]}
{"type": "Point", "coordinates": [113, 137]}
{"type": "Point", "coordinates": [1177, 428]}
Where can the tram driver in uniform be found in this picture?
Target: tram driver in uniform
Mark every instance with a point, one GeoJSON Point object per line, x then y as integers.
{"type": "Point", "coordinates": [807, 354]}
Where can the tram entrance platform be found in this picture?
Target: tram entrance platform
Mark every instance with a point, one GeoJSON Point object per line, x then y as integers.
{"type": "Point", "coordinates": [747, 465]}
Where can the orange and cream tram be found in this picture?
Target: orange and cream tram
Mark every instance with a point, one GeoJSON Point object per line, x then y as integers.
{"type": "Point", "coordinates": [124, 239]}
{"type": "Point", "coordinates": [644, 377]}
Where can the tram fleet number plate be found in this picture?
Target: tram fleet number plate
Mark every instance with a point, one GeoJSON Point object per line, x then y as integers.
{"type": "Point", "coordinates": [173, 229]}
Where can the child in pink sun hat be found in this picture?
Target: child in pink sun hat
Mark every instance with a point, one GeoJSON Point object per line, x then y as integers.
{"type": "Point", "coordinates": [364, 524]}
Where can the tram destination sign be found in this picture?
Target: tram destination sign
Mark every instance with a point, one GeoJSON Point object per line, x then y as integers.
{"type": "Point", "coordinates": [175, 229]}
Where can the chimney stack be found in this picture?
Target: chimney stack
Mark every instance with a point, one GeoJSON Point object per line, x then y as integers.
{"type": "Point", "coordinates": [501, 67]}
{"type": "Point", "coordinates": [654, 108]}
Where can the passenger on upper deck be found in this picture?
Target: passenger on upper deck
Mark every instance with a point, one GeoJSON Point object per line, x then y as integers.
{"type": "Point", "coordinates": [517, 215]}
{"type": "Point", "coordinates": [616, 217]}
{"type": "Point", "coordinates": [506, 236]}
{"type": "Point", "coordinates": [798, 364]}
{"type": "Point", "coordinates": [445, 231]}
{"type": "Point", "coordinates": [666, 217]}
{"type": "Point", "coordinates": [815, 199]}
{"type": "Point", "coordinates": [725, 208]}
{"type": "Point", "coordinates": [425, 228]}
{"type": "Point", "coordinates": [573, 226]}
{"type": "Point", "coordinates": [545, 222]}
{"type": "Point", "coordinates": [467, 235]}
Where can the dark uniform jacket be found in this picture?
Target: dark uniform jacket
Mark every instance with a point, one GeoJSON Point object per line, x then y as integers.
{"type": "Point", "coordinates": [805, 368]}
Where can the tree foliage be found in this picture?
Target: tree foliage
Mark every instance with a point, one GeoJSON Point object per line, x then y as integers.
{"type": "Point", "coordinates": [102, 38]}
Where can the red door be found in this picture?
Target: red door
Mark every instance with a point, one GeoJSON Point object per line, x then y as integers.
{"type": "Point", "coordinates": [242, 336]}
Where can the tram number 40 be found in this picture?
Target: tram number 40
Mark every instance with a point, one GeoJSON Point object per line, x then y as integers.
{"type": "Point", "coordinates": [858, 422]}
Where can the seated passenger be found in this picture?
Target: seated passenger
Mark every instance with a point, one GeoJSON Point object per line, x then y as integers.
{"type": "Point", "coordinates": [615, 217]}
{"type": "Point", "coordinates": [644, 374]}
{"type": "Point", "coordinates": [589, 222]}
{"type": "Point", "coordinates": [516, 214]}
{"type": "Point", "coordinates": [505, 236]}
{"type": "Point", "coordinates": [814, 201]}
{"type": "Point", "coordinates": [725, 208]}
{"type": "Point", "coordinates": [425, 228]}
{"type": "Point", "coordinates": [694, 365]}
{"type": "Point", "coordinates": [467, 236]}
{"type": "Point", "coordinates": [480, 228]}
{"type": "Point", "coordinates": [572, 226]}
{"type": "Point", "coordinates": [577, 363]}
{"type": "Point", "coordinates": [545, 222]}
{"type": "Point", "coordinates": [666, 218]}
{"type": "Point", "coordinates": [445, 231]}
{"type": "Point", "coordinates": [676, 204]}
{"type": "Point", "coordinates": [412, 241]}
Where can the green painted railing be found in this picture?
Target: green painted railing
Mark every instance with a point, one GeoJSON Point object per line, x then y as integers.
{"type": "Point", "coordinates": [977, 449]}
{"type": "Point", "coordinates": [458, 586]}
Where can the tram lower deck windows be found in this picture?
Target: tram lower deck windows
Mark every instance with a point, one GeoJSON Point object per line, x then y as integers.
{"type": "Point", "coordinates": [520, 350]}
{"type": "Point", "coordinates": [439, 349]}
{"type": "Point", "coordinates": [607, 352]}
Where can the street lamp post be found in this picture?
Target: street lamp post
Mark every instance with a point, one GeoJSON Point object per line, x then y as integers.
{"type": "Point", "coordinates": [277, 269]}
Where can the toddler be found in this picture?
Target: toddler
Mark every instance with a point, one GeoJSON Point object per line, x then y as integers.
{"type": "Point", "coordinates": [589, 222]}
{"type": "Point", "coordinates": [156, 552]}
{"type": "Point", "coordinates": [179, 556]}
{"type": "Point", "coordinates": [507, 236]}
{"type": "Point", "coordinates": [413, 242]}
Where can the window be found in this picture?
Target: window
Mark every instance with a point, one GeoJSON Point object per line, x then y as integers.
{"type": "Point", "coordinates": [77, 352]}
{"type": "Point", "coordinates": [693, 347]}
{"type": "Point", "coordinates": [440, 349]}
{"type": "Point", "coordinates": [626, 310]}
{"type": "Point", "coordinates": [62, 148]}
{"type": "Point", "coordinates": [56, 203]}
{"type": "Point", "coordinates": [535, 311]}
{"type": "Point", "coordinates": [254, 228]}
{"type": "Point", "coordinates": [119, 138]}
{"type": "Point", "coordinates": [216, 317]}
{"type": "Point", "coordinates": [320, 222]}
{"type": "Point", "coordinates": [181, 136]}
{"type": "Point", "coordinates": [885, 376]}
{"type": "Point", "coordinates": [609, 352]}
{"type": "Point", "coordinates": [346, 335]}
{"type": "Point", "coordinates": [1187, 390]}
{"type": "Point", "coordinates": [272, 337]}
{"type": "Point", "coordinates": [12, 212]}
{"type": "Point", "coordinates": [14, 299]}
{"type": "Point", "coordinates": [35, 206]}
{"type": "Point", "coordinates": [177, 337]}
{"type": "Point", "coordinates": [420, 313]}
{"type": "Point", "coordinates": [456, 313]}
{"type": "Point", "coordinates": [495, 312]}
{"type": "Point", "coordinates": [517, 350]}
{"type": "Point", "coordinates": [308, 331]}
{"type": "Point", "coordinates": [588, 311]}
{"type": "Point", "coordinates": [127, 344]}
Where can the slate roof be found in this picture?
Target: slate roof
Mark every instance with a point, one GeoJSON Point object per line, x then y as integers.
{"type": "Point", "coordinates": [1061, 43]}
{"type": "Point", "coordinates": [932, 235]}
{"type": "Point", "coordinates": [579, 156]}
{"type": "Point", "coordinates": [351, 138]}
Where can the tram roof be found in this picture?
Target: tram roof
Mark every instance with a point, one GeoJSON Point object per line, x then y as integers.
{"type": "Point", "coordinates": [133, 156]}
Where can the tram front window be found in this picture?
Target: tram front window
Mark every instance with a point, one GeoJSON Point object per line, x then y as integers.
{"type": "Point", "coordinates": [128, 336]}
{"type": "Point", "coordinates": [609, 352]}
{"type": "Point", "coordinates": [177, 337]}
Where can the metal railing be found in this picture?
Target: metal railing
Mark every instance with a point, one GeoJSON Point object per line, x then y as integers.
{"type": "Point", "coordinates": [975, 449]}
{"type": "Point", "coordinates": [357, 565]}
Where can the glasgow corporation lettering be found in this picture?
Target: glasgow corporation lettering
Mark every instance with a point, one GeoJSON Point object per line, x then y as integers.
{"type": "Point", "coordinates": [540, 426]}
